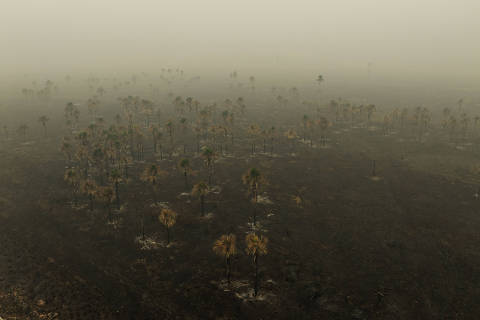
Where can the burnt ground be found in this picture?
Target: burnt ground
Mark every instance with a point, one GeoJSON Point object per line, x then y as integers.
{"type": "Point", "coordinates": [402, 246]}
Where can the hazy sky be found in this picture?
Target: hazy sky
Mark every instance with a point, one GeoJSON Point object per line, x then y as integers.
{"type": "Point", "coordinates": [424, 36]}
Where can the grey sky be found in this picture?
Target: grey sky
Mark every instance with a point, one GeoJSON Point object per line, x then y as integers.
{"type": "Point", "coordinates": [424, 36]}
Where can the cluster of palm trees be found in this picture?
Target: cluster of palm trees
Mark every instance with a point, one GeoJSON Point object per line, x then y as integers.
{"type": "Point", "coordinates": [456, 123]}
{"type": "Point", "coordinates": [44, 93]}
{"type": "Point", "coordinates": [226, 248]}
{"type": "Point", "coordinates": [103, 159]}
{"type": "Point", "coordinates": [255, 245]}
{"type": "Point", "coordinates": [346, 112]}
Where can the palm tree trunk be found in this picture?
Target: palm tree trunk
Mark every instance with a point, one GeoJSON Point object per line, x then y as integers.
{"type": "Point", "coordinates": [228, 270]}
{"type": "Point", "coordinates": [91, 202]}
{"type": "Point", "coordinates": [143, 226]}
{"type": "Point", "coordinates": [75, 200]}
{"type": "Point", "coordinates": [226, 266]}
{"type": "Point", "coordinates": [256, 276]}
{"type": "Point", "coordinates": [117, 195]}
{"type": "Point", "coordinates": [202, 205]}
{"type": "Point", "coordinates": [153, 193]}
{"type": "Point", "coordinates": [209, 175]}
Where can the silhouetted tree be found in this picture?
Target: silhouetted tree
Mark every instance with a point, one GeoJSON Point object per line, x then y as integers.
{"type": "Point", "coordinates": [200, 190]}
{"type": "Point", "coordinates": [168, 218]}
{"type": "Point", "coordinates": [256, 246]}
{"type": "Point", "coordinates": [225, 247]}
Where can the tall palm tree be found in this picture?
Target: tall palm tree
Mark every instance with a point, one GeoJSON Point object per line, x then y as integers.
{"type": "Point", "coordinates": [185, 166]}
{"type": "Point", "coordinates": [200, 190]}
{"type": "Point", "coordinates": [256, 246]}
{"type": "Point", "coordinates": [169, 126]}
{"type": "Point", "coordinates": [209, 157]}
{"type": "Point", "coordinates": [116, 178]}
{"type": "Point", "coordinates": [320, 79]}
{"type": "Point", "coordinates": [370, 110]}
{"type": "Point", "coordinates": [253, 179]}
{"type": "Point", "coordinates": [253, 130]}
{"type": "Point", "coordinates": [291, 135]}
{"type": "Point", "coordinates": [106, 195]}
{"type": "Point", "coordinates": [225, 247]}
{"type": "Point", "coordinates": [168, 218]}
{"type": "Point", "coordinates": [305, 121]}
{"type": "Point", "coordinates": [460, 104]}
{"type": "Point", "coordinates": [72, 177]}
{"type": "Point", "coordinates": [43, 120]}
{"type": "Point", "coordinates": [323, 123]}
{"type": "Point", "coordinates": [271, 134]}
{"type": "Point", "coordinates": [151, 174]}
{"type": "Point", "coordinates": [22, 129]}
{"type": "Point", "coordinates": [252, 83]}
{"type": "Point", "coordinates": [156, 136]}
{"type": "Point", "coordinates": [67, 149]}
{"type": "Point", "coordinates": [89, 188]}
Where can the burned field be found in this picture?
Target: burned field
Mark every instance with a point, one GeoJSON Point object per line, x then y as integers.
{"type": "Point", "coordinates": [158, 206]}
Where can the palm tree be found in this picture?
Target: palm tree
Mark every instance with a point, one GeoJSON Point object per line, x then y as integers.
{"type": "Point", "coordinates": [323, 124]}
{"type": "Point", "coordinates": [201, 190]}
{"type": "Point", "coordinates": [370, 110]}
{"type": "Point", "coordinates": [118, 119]}
{"type": "Point", "coordinates": [156, 136]}
{"type": "Point", "coordinates": [253, 179]}
{"type": "Point", "coordinates": [476, 119]}
{"type": "Point", "coordinates": [271, 133]}
{"type": "Point", "coordinates": [67, 149]}
{"type": "Point", "coordinates": [92, 105]}
{"type": "Point", "coordinates": [43, 120]}
{"type": "Point", "coordinates": [460, 104]}
{"type": "Point", "coordinates": [89, 187]}
{"type": "Point", "coordinates": [116, 178]}
{"type": "Point", "coordinates": [22, 129]}
{"type": "Point", "coordinates": [452, 124]}
{"type": "Point", "coordinates": [71, 177]}
{"type": "Point", "coordinates": [253, 131]}
{"type": "Point", "coordinates": [225, 247]}
{"type": "Point", "coordinates": [151, 174]}
{"type": "Point", "coordinates": [252, 83]}
{"type": "Point", "coordinates": [106, 195]}
{"type": "Point", "coordinates": [209, 158]}
{"type": "Point", "coordinates": [403, 116]}
{"type": "Point", "coordinates": [334, 108]}
{"type": "Point", "coordinates": [320, 79]}
{"type": "Point", "coordinates": [169, 126]}
{"type": "Point", "coordinates": [185, 166]}
{"type": "Point", "coordinates": [306, 122]}
{"type": "Point", "coordinates": [291, 135]}
{"type": "Point", "coordinates": [256, 246]}
{"type": "Point", "coordinates": [168, 218]}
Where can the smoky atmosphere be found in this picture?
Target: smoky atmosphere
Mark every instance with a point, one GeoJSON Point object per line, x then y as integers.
{"type": "Point", "coordinates": [224, 159]}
